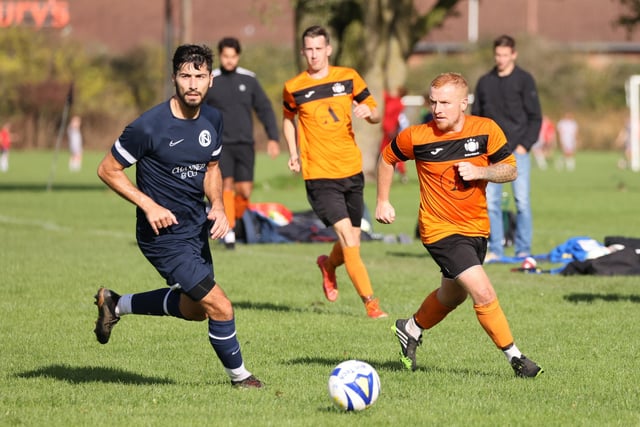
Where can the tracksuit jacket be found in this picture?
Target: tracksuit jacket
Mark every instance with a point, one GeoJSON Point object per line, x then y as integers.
{"type": "Point", "coordinates": [512, 102]}
{"type": "Point", "coordinates": [237, 94]}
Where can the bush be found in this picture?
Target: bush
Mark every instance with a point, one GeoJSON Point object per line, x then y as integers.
{"type": "Point", "coordinates": [36, 73]}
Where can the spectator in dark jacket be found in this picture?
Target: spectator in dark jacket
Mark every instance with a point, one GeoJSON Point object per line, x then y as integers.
{"type": "Point", "coordinates": [508, 95]}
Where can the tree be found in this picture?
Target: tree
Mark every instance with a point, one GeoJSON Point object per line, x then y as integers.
{"type": "Point", "coordinates": [630, 21]}
{"type": "Point", "coordinates": [376, 37]}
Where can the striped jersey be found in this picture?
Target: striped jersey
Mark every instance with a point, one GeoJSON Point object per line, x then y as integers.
{"type": "Point", "coordinates": [325, 134]}
{"type": "Point", "coordinates": [449, 205]}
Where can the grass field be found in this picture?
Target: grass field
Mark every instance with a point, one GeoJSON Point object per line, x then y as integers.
{"type": "Point", "coordinates": [57, 247]}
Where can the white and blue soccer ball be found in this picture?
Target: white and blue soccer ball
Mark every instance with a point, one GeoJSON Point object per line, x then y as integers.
{"type": "Point", "coordinates": [354, 385]}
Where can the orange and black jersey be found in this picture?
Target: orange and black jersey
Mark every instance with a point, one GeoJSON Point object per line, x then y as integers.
{"type": "Point", "coordinates": [449, 205]}
{"type": "Point", "coordinates": [324, 130]}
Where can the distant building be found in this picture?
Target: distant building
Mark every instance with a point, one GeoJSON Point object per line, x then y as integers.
{"type": "Point", "coordinates": [582, 25]}
{"type": "Point", "coordinates": [120, 25]}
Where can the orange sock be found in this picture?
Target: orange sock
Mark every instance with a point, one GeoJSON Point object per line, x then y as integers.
{"type": "Point", "coordinates": [357, 271]}
{"type": "Point", "coordinates": [336, 257]}
{"type": "Point", "coordinates": [228, 199]}
{"type": "Point", "coordinates": [241, 205]}
{"type": "Point", "coordinates": [432, 311]}
{"type": "Point", "coordinates": [494, 322]}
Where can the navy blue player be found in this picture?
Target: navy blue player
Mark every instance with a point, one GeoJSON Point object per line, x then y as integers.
{"type": "Point", "coordinates": [176, 147]}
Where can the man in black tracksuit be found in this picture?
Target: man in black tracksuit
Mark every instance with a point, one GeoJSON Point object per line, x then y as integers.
{"type": "Point", "coordinates": [237, 93]}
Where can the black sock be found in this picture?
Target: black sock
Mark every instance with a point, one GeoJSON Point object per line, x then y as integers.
{"type": "Point", "coordinates": [161, 302]}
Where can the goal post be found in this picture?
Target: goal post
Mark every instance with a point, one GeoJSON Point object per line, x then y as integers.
{"type": "Point", "coordinates": [633, 99]}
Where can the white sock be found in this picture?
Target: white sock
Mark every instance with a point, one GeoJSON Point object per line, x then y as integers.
{"type": "Point", "coordinates": [571, 164]}
{"type": "Point", "coordinates": [512, 352]}
{"type": "Point", "coordinates": [124, 305]}
{"type": "Point", "coordinates": [238, 374]}
{"type": "Point", "coordinates": [230, 237]}
{"type": "Point", "coordinates": [412, 327]}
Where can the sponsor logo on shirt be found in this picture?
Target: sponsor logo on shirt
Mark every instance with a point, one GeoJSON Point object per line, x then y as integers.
{"type": "Point", "coordinates": [190, 171]}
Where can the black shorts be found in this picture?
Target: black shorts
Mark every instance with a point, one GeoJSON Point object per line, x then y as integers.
{"type": "Point", "coordinates": [185, 264]}
{"type": "Point", "coordinates": [336, 199]}
{"type": "Point", "coordinates": [237, 161]}
{"type": "Point", "coordinates": [456, 253]}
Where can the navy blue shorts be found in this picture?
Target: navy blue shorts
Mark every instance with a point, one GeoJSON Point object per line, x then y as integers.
{"type": "Point", "coordinates": [184, 263]}
{"type": "Point", "coordinates": [237, 161]}
{"type": "Point", "coordinates": [336, 199]}
{"type": "Point", "coordinates": [456, 253]}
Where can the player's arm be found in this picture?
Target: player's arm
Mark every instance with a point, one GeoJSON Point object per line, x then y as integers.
{"type": "Point", "coordinates": [375, 116]}
{"type": "Point", "coordinates": [264, 111]}
{"type": "Point", "coordinates": [273, 148]}
{"type": "Point", "coordinates": [385, 213]}
{"type": "Point", "coordinates": [111, 172]}
{"type": "Point", "coordinates": [367, 112]}
{"type": "Point", "coordinates": [533, 111]}
{"type": "Point", "coordinates": [289, 132]}
{"type": "Point", "coordinates": [498, 172]}
{"type": "Point", "coordinates": [213, 191]}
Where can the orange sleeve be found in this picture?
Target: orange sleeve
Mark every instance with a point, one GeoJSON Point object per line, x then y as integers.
{"type": "Point", "coordinates": [289, 108]}
{"type": "Point", "coordinates": [361, 92]}
{"type": "Point", "coordinates": [498, 150]}
{"type": "Point", "coordinates": [400, 149]}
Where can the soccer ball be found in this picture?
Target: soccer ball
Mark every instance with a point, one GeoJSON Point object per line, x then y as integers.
{"type": "Point", "coordinates": [529, 263]}
{"type": "Point", "coordinates": [354, 385]}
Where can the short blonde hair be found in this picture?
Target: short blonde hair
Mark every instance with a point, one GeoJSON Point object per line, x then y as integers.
{"type": "Point", "coordinates": [454, 79]}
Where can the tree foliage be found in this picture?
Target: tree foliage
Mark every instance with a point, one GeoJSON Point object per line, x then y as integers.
{"type": "Point", "coordinates": [38, 69]}
{"type": "Point", "coordinates": [376, 37]}
{"type": "Point", "coordinates": [631, 19]}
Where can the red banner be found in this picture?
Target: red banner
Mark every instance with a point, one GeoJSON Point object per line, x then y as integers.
{"type": "Point", "coordinates": [38, 14]}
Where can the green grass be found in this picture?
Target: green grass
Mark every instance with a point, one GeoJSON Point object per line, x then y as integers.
{"type": "Point", "coordinates": [57, 247]}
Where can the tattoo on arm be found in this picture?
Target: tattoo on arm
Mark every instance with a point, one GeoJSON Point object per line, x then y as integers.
{"type": "Point", "coordinates": [501, 173]}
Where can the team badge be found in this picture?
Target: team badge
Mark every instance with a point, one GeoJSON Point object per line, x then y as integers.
{"type": "Point", "coordinates": [472, 145]}
{"type": "Point", "coordinates": [338, 88]}
{"type": "Point", "coordinates": [205, 138]}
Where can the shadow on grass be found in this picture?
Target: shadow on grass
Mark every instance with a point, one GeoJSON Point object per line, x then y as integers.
{"type": "Point", "coordinates": [589, 298]}
{"type": "Point", "coordinates": [42, 187]}
{"type": "Point", "coordinates": [331, 362]}
{"type": "Point", "coordinates": [318, 306]}
{"type": "Point", "coordinates": [88, 374]}
{"type": "Point", "coordinates": [390, 366]}
{"type": "Point", "coordinates": [400, 254]}
{"type": "Point", "coordinates": [252, 305]}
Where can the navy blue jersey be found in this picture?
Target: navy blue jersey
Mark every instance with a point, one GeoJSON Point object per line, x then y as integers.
{"type": "Point", "coordinates": [171, 157]}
